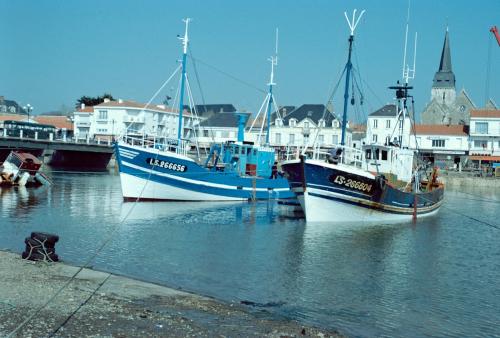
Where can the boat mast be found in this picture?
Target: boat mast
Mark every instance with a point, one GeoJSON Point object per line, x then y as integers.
{"type": "Point", "coordinates": [352, 25]}
{"type": "Point", "coordinates": [185, 41]}
{"type": "Point", "coordinates": [274, 62]}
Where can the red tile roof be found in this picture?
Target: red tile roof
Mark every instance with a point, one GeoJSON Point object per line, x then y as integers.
{"type": "Point", "coordinates": [13, 117]}
{"type": "Point", "coordinates": [59, 122]}
{"type": "Point", "coordinates": [488, 113]}
{"type": "Point", "coordinates": [439, 129]}
{"type": "Point", "coordinates": [87, 109]}
{"type": "Point", "coordinates": [133, 104]}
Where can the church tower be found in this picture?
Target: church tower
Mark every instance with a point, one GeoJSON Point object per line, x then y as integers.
{"type": "Point", "coordinates": [443, 88]}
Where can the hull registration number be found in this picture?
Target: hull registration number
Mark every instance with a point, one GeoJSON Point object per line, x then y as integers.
{"type": "Point", "coordinates": [353, 184]}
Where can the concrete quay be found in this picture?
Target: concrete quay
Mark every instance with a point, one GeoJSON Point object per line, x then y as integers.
{"type": "Point", "coordinates": [123, 307]}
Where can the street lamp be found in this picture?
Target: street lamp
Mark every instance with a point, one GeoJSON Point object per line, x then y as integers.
{"type": "Point", "coordinates": [28, 108]}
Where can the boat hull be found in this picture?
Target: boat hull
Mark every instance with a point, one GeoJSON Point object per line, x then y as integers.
{"type": "Point", "coordinates": [151, 174]}
{"type": "Point", "coordinates": [336, 194]}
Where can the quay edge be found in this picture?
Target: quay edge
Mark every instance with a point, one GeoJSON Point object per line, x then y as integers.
{"type": "Point", "coordinates": [123, 307]}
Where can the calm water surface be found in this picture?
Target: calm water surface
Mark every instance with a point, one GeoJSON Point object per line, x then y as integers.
{"type": "Point", "coordinates": [440, 277]}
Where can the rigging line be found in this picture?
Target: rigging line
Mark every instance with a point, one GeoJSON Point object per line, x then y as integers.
{"type": "Point", "coordinates": [494, 226]}
{"type": "Point", "coordinates": [325, 109]}
{"type": "Point", "coordinates": [82, 304]}
{"type": "Point", "coordinates": [372, 91]}
{"type": "Point", "coordinates": [479, 200]}
{"type": "Point", "coordinates": [157, 92]}
{"type": "Point", "coordinates": [196, 75]}
{"type": "Point", "coordinates": [491, 200]}
{"type": "Point", "coordinates": [231, 76]}
{"type": "Point", "coordinates": [195, 114]}
{"type": "Point", "coordinates": [91, 258]}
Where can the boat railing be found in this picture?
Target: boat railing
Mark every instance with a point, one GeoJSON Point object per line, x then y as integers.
{"type": "Point", "coordinates": [161, 143]}
{"type": "Point", "coordinates": [346, 155]}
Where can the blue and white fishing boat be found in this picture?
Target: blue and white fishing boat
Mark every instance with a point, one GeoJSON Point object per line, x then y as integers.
{"type": "Point", "coordinates": [378, 183]}
{"type": "Point", "coordinates": [154, 168]}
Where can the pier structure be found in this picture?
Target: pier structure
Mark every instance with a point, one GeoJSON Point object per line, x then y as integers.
{"type": "Point", "coordinates": [64, 153]}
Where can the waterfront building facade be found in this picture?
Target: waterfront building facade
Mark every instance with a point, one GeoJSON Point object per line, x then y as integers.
{"type": "Point", "coordinates": [383, 127]}
{"type": "Point", "coordinates": [306, 124]}
{"type": "Point", "coordinates": [485, 135]}
{"type": "Point", "coordinates": [445, 146]}
{"type": "Point", "coordinates": [111, 119]}
{"type": "Point", "coordinates": [8, 107]}
{"type": "Point", "coordinates": [218, 128]}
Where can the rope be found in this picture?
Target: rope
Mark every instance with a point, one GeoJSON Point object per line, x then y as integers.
{"type": "Point", "coordinates": [230, 76]}
{"type": "Point", "coordinates": [91, 258]}
{"type": "Point", "coordinates": [79, 306]}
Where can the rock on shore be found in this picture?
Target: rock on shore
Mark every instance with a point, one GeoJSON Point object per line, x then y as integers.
{"type": "Point", "coordinates": [122, 307]}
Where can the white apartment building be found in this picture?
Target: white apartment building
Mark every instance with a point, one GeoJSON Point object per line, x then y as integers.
{"type": "Point", "coordinates": [383, 127]}
{"type": "Point", "coordinates": [485, 135]}
{"type": "Point", "coordinates": [305, 125]}
{"type": "Point", "coordinates": [445, 146]}
{"type": "Point", "coordinates": [111, 119]}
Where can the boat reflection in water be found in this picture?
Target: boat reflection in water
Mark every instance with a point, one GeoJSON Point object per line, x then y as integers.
{"type": "Point", "coordinates": [199, 213]}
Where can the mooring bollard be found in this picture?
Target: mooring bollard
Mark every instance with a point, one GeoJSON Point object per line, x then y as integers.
{"type": "Point", "coordinates": [40, 246]}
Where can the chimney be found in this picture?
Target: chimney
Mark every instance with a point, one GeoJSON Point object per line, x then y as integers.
{"type": "Point", "coordinates": [284, 112]}
{"type": "Point", "coordinates": [82, 106]}
{"type": "Point", "coordinates": [2, 99]}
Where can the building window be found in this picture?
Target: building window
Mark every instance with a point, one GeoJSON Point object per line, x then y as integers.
{"type": "Point", "coordinates": [335, 139]}
{"type": "Point", "coordinates": [292, 122]}
{"type": "Point", "coordinates": [205, 133]}
{"type": "Point", "coordinates": [278, 138]}
{"type": "Point", "coordinates": [103, 114]}
{"type": "Point", "coordinates": [291, 138]}
{"type": "Point", "coordinates": [375, 123]}
{"type": "Point", "coordinates": [482, 127]}
{"type": "Point", "coordinates": [321, 139]}
{"type": "Point", "coordinates": [438, 143]}
{"type": "Point", "coordinates": [480, 144]}
{"type": "Point", "coordinates": [322, 123]}
{"type": "Point", "coordinates": [374, 138]}
{"type": "Point", "coordinates": [278, 122]}
{"type": "Point", "coordinates": [306, 125]}
{"type": "Point", "coordinates": [388, 124]}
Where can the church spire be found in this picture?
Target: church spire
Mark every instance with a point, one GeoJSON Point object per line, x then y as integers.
{"type": "Point", "coordinates": [444, 77]}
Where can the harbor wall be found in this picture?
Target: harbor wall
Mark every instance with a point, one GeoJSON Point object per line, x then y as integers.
{"type": "Point", "coordinates": [453, 181]}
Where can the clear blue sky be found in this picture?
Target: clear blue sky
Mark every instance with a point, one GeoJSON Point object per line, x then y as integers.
{"type": "Point", "coordinates": [53, 52]}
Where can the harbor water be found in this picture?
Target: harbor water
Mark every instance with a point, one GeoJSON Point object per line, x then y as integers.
{"type": "Point", "coordinates": [437, 278]}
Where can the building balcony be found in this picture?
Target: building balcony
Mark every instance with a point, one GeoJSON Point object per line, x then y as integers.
{"type": "Point", "coordinates": [82, 124]}
{"type": "Point", "coordinates": [133, 119]}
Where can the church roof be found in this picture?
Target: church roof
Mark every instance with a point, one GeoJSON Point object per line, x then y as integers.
{"type": "Point", "coordinates": [444, 77]}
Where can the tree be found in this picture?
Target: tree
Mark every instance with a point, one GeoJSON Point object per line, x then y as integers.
{"type": "Point", "coordinates": [90, 101]}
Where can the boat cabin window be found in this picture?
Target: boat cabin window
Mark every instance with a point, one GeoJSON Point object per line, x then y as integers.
{"type": "Point", "coordinates": [377, 154]}
{"type": "Point", "coordinates": [384, 155]}
{"type": "Point", "coordinates": [237, 150]}
{"type": "Point", "coordinates": [255, 152]}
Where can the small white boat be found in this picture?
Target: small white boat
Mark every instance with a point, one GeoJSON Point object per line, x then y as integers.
{"type": "Point", "coordinates": [22, 169]}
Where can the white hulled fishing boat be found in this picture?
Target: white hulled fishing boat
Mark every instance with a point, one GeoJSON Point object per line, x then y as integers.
{"type": "Point", "coordinates": [377, 183]}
